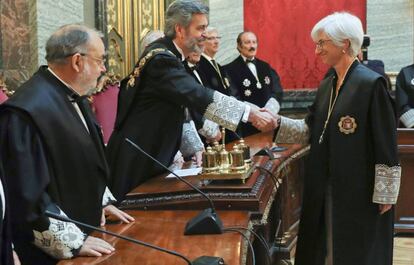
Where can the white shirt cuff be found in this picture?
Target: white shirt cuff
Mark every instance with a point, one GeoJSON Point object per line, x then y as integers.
{"type": "Point", "coordinates": [245, 117]}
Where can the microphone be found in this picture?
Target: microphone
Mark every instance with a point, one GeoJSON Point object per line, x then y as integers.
{"type": "Point", "coordinates": [204, 260]}
{"type": "Point", "coordinates": [207, 222]}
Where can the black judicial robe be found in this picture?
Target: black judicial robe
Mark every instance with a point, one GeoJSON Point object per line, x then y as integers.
{"type": "Point", "coordinates": [49, 160]}
{"type": "Point", "coordinates": [213, 80]}
{"type": "Point", "coordinates": [6, 254]}
{"type": "Point", "coordinates": [405, 89]}
{"type": "Point", "coordinates": [361, 236]}
{"type": "Point", "coordinates": [243, 80]}
{"type": "Point", "coordinates": [151, 114]}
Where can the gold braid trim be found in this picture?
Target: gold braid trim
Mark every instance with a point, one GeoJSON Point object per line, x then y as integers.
{"type": "Point", "coordinates": [137, 70]}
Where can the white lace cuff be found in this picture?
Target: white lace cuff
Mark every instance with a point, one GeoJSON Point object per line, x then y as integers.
{"type": "Point", "coordinates": [225, 111]}
{"type": "Point", "coordinates": [387, 184]}
{"type": "Point", "coordinates": [273, 106]}
{"type": "Point", "coordinates": [292, 131]}
{"type": "Point", "coordinates": [408, 118]}
{"type": "Point", "coordinates": [60, 240]}
{"type": "Point", "coordinates": [190, 140]}
{"type": "Point", "coordinates": [210, 129]}
{"type": "Point", "coordinates": [107, 197]}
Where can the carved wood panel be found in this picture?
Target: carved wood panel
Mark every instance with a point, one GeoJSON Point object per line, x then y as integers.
{"type": "Point", "coordinates": [128, 22]}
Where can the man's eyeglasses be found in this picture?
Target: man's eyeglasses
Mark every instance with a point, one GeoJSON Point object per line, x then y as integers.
{"type": "Point", "coordinates": [213, 38]}
{"type": "Point", "coordinates": [320, 43]}
{"type": "Point", "coordinates": [100, 61]}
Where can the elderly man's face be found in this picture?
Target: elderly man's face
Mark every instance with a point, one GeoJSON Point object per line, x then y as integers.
{"type": "Point", "coordinates": [94, 65]}
{"type": "Point", "coordinates": [194, 34]}
{"type": "Point", "coordinates": [212, 43]}
{"type": "Point", "coordinates": [248, 46]}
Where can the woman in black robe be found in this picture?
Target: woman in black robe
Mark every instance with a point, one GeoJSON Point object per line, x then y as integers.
{"type": "Point", "coordinates": [352, 177]}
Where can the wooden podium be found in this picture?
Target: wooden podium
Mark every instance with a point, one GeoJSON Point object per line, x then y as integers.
{"type": "Point", "coordinates": [404, 210]}
{"type": "Point", "coordinates": [163, 206]}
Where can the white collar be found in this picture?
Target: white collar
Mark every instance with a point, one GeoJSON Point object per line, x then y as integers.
{"type": "Point", "coordinates": [180, 51]}
{"type": "Point", "coordinates": [53, 73]}
{"type": "Point", "coordinates": [207, 57]}
{"type": "Point", "coordinates": [245, 58]}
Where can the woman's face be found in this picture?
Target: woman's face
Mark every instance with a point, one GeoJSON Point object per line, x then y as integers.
{"type": "Point", "coordinates": [329, 53]}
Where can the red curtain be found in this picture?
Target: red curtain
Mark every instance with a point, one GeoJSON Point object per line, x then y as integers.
{"type": "Point", "coordinates": [283, 29]}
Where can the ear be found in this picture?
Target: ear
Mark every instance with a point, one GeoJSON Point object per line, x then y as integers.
{"type": "Point", "coordinates": [77, 62]}
{"type": "Point", "coordinates": [179, 31]}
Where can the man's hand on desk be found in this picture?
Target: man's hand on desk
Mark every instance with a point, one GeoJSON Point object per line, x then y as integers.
{"type": "Point", "coordinates": [263, 120]}
{"type": "Point", "coordinates": [121, 215]}
{"type": "Point", "coordinates": [95, 247]}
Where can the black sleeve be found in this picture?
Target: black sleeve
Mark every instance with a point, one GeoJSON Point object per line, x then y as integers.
{"type": "Point", "coordinates": [277, 90]}
{"type": "Point", "coordinates": [403, 104]}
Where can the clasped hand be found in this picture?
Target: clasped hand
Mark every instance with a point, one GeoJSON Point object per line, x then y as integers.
{"type": "Point", "coordinates": [263, 120]}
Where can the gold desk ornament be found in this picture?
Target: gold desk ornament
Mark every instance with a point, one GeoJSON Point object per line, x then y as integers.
{"type": "Point", "coordinates": [237, 159]}
{"type": "Point", "coordinates": [229, 166]}
{"type": "Point", "coordinates": [246, 150]}
{"type": "Point", "coordinates": [210, 163]}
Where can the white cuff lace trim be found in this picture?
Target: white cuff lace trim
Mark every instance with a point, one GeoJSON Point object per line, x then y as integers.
{"type": "Point", "coordinates": [387, 184]}
{"type": "Point", "coordinates": [210, 129]}
{"type": "Point", "coordinates": [225, 111]}
{"type": "Point", "coordinates": [408, 118]}
{"type": "Point", "coordinates": [60, 240]}
{"type": "Point", "coordinates": [190, 140]}
{"type": "Point", "coordinates": [273, 106]}
{"type": "Point", "coordinates": [292, 131]}
{"type": "Point", "coordinates": [107, 197]}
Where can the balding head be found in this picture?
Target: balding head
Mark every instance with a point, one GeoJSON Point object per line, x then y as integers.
{"type": "Point", "coordinates": [68, 40]}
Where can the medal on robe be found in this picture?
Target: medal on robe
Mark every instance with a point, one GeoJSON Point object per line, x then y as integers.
{"type": "Point", "coordinates": [246, 82]}
{"type": "Point", "coordinates": [267, 80]}
{"type": "Point", "coordinates": [247, 92]}
{"type": "Point", "coordinates": [412, 81]}
{"type": "Point", "coordinates": [258, 85]}
{"type": "Point", "coordinates": [347, 125]}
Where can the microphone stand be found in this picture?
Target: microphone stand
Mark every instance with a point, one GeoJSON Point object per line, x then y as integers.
{"type": "Point", "coordinates": [204, 260]}
{"type": "Point", "coordinates": [207, 222]}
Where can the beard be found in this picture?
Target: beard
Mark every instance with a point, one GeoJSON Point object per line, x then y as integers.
{"type": "Point", "coordinates": [192, 44]}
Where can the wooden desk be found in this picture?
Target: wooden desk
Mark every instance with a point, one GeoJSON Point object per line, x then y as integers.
{"type": "Point", "coordinates": [271, 210]}
{"type": "Point", "coordinates": [404, 210]}
{"type": "Point", "coordinates": [166, 229]}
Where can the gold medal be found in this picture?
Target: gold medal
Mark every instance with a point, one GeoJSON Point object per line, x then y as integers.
{"type": "Point", "coordinates": [347, 125]}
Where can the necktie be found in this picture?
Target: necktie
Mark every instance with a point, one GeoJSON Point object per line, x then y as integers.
{"type": "Point", "coordinates": [194, 67]}
{"type": "Point", "coordinates": [250, 61]}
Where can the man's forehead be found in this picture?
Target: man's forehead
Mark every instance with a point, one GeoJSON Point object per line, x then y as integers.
{"type": "Point", "coordinates": [199, 20]}
{"type": "Point", "coordinates": [248, 36]}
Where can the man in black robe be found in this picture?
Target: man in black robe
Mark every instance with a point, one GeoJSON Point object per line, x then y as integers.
{"type": "Point", "coordinates": [405, 96]}
{"type": "Point", "coordinates": [53, 154]}
{"type": "Point", "coordinates": [255, 80]}
{"type": "Point", "coordinates": [152, 101]}
{"type": "Point", "coordinates": [215, 76]}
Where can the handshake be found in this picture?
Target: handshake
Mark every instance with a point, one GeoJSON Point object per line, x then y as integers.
{"type": "Point", "coordinates": [263, 119]}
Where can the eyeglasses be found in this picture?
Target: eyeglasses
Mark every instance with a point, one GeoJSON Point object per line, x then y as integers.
{"type": "Point", "coordinates": [100, 61]}
{"type": "Point", "coordinates": [213, 38]}
{"type": "Point", "coordinates": [320, 43]}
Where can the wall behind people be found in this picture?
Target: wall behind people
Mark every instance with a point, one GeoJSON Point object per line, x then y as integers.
{"type": "Point", "coordinates": [24, 28]}
{"type": "Point", "coordinates": [229, 24]}
{"type": "Point", "coordinates": [283, 27]}
{"type": "Point", "coordinates": [390, 23]}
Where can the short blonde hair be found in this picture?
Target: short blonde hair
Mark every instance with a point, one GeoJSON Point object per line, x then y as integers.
{"type": "Point", "coordinates": [341, 26]}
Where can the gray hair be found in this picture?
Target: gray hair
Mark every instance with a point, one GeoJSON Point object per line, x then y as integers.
{"type": "Point", "coordinates": [211, 29]}
{"type": "Point", "coordinates": [68, 40]}
{"type": "Point", "coordinates": [341, 26]}
{"type": "Point", "coordinates": [150, 37]}
{"type": "Point", "coordinates": [180, 12]}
